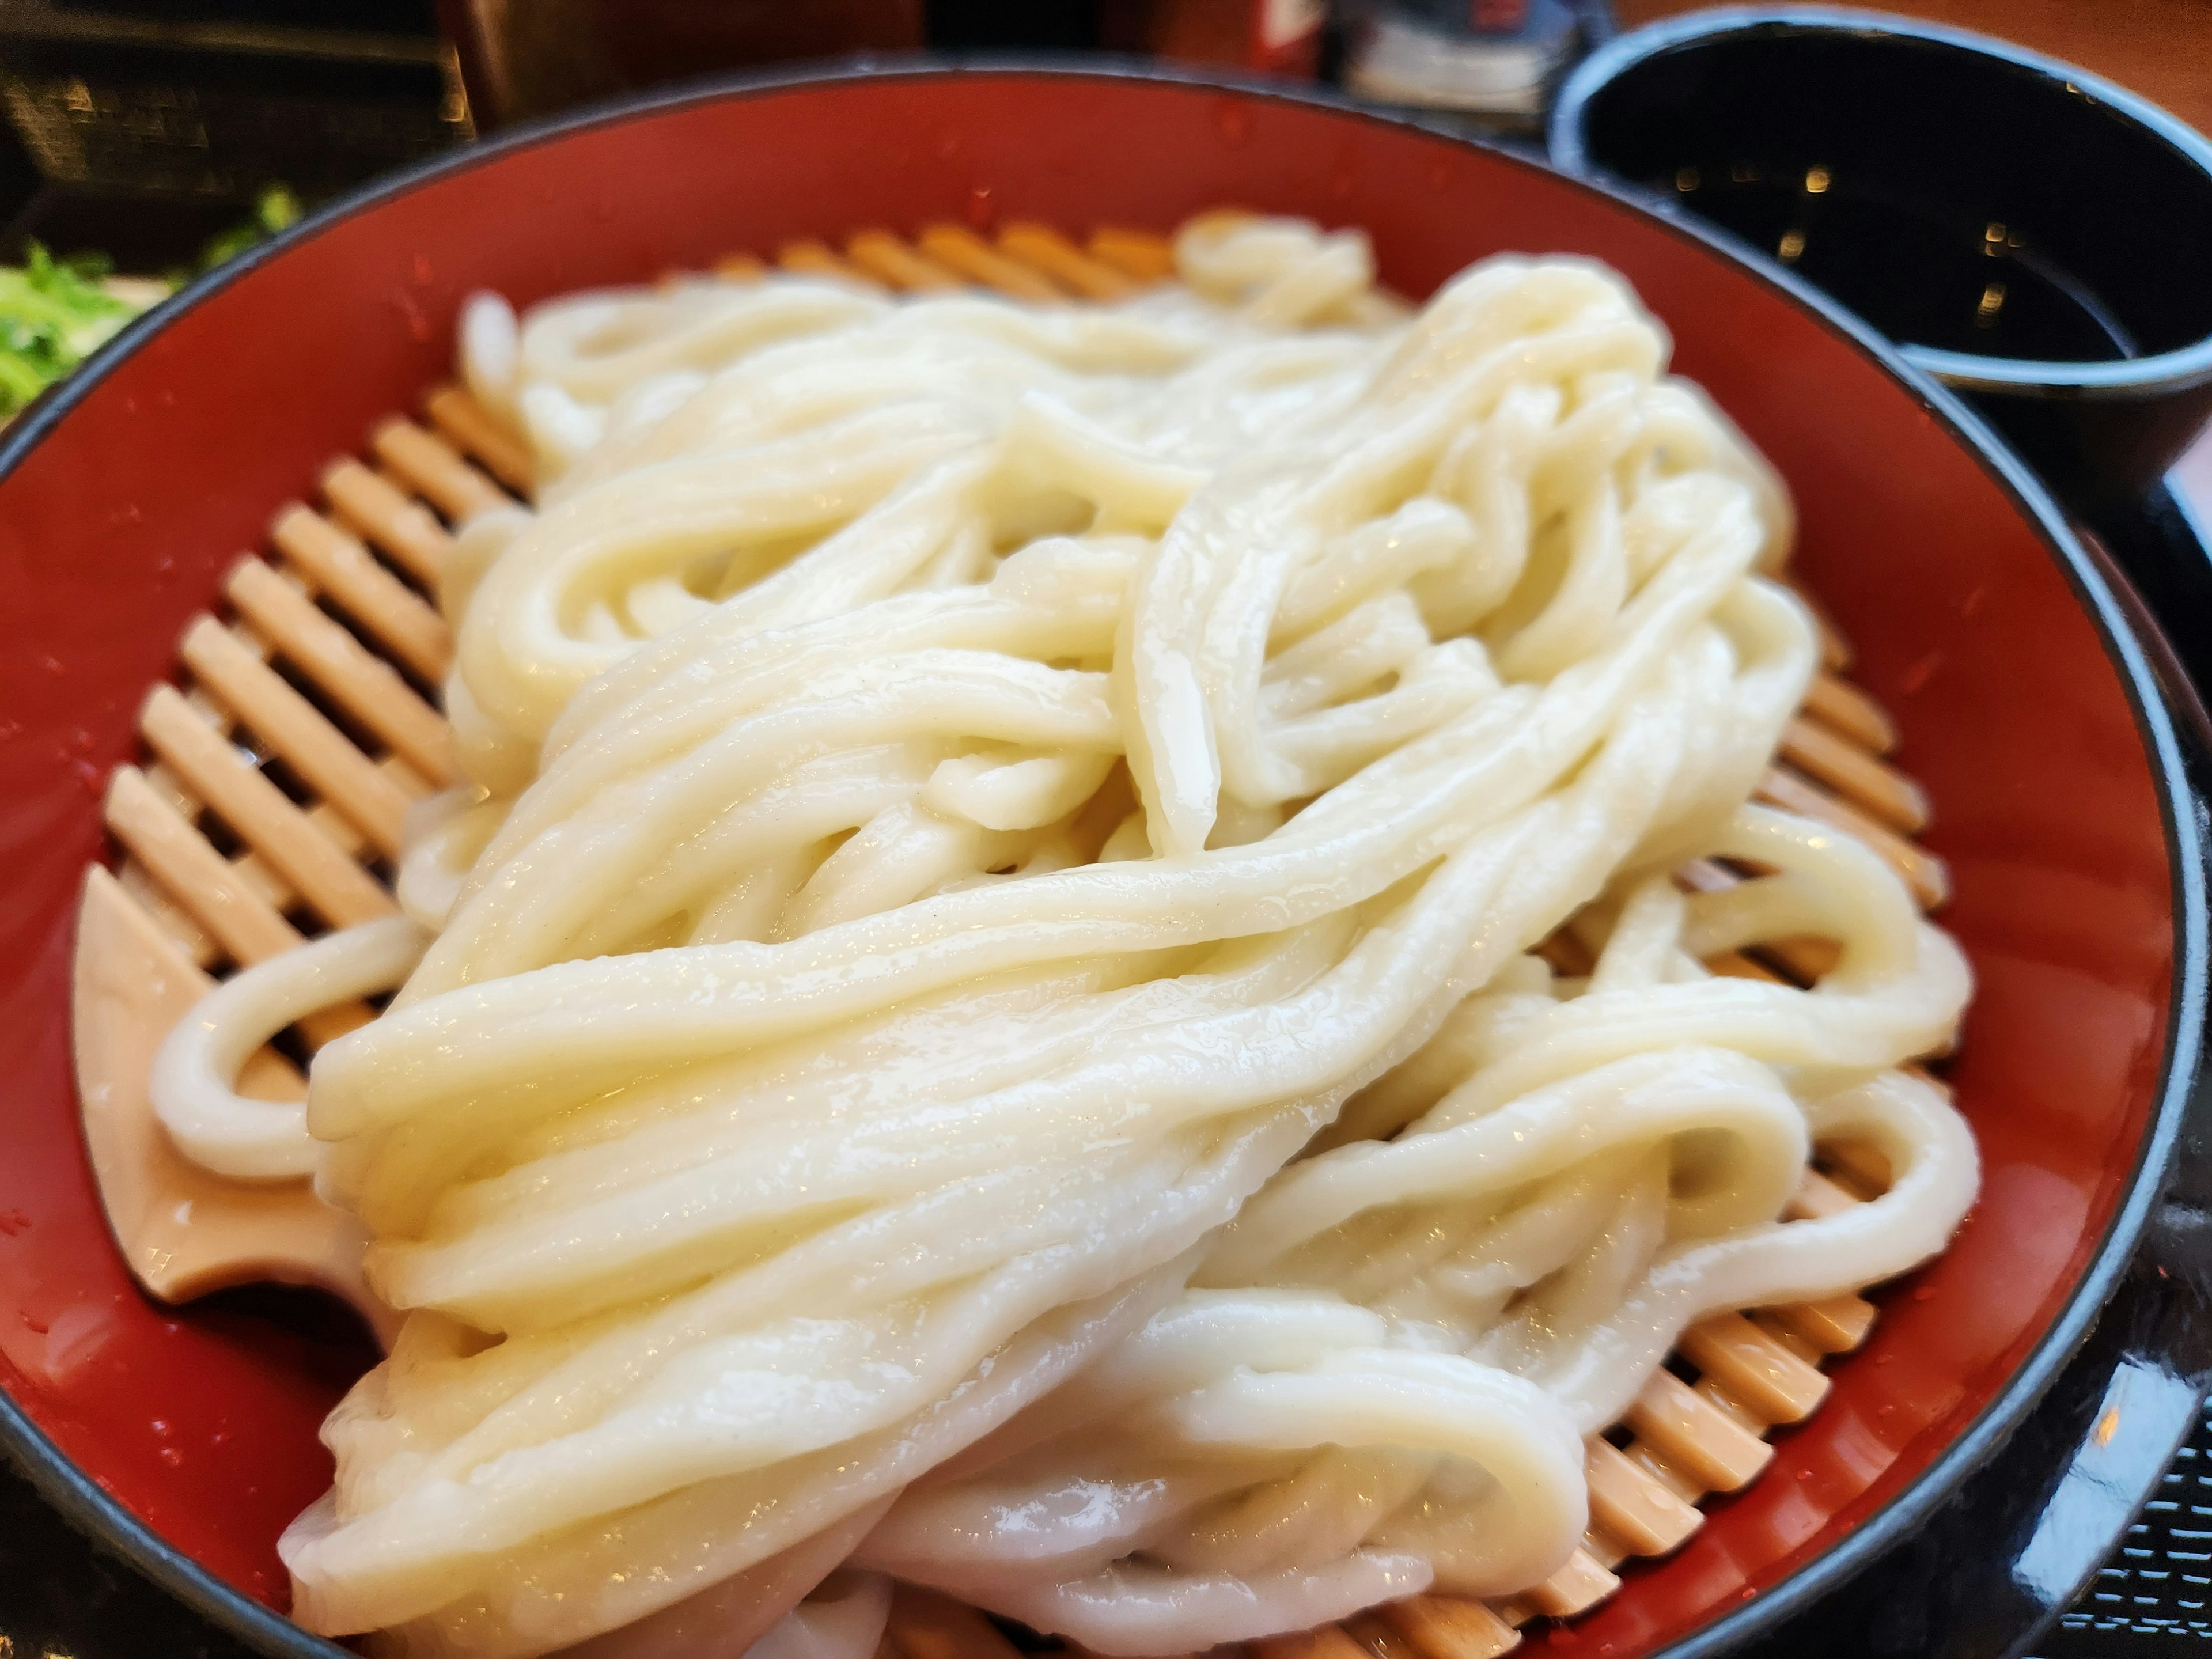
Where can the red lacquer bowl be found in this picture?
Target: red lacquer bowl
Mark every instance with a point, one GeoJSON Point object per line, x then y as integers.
{"type": "Point", "coordinates": [186, 1437]}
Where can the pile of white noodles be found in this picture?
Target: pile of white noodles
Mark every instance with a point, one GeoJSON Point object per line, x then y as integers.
{"type": "Point", "coordinates": [1006, 849]}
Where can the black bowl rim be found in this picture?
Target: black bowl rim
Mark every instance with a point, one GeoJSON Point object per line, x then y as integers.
{"type": "Point", "coordinates": [2181, 368]}
{"type": "Point", "coordinates": [2186, 818]}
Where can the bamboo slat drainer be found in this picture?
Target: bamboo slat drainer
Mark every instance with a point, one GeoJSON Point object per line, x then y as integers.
{"type": "Point", "coordinates": [268, 807]}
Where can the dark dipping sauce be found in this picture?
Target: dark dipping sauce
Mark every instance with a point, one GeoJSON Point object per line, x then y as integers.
{"type": "Point", "coordinates": [1956, 199]}
{"type": "Point", "coordinates": [1922, 275]}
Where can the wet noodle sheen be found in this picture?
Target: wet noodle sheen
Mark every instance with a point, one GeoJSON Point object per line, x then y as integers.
{"type": "Point", "coordinates": [977, 1017]}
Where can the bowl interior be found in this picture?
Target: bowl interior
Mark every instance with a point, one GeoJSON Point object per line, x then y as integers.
{"type": "Point", "coordinates": [1955, 198]}
{"type": "Point", "coordinates": [117, 523]}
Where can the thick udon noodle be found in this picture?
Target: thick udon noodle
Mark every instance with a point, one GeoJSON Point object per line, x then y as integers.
{"type": "Point", "coordinates": [980, 1016]}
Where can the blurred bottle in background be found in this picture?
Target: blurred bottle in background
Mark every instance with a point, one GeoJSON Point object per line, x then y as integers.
{"type": "Point", "coordinates": [529, 58]}
{"type": "Point", "coordinates": [1492, 63]}
{"type": "Point", "coordinates": [1278, 37]}
{"type": "Point", "coordinates": [523, 59]}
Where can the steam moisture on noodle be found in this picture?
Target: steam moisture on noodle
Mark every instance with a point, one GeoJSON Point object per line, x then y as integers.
{"type": "Point", "coordinates": [978, 1016]}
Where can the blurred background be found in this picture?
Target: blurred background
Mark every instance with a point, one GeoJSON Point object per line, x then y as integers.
{"type": "Point", "coordinates": [163, 133]}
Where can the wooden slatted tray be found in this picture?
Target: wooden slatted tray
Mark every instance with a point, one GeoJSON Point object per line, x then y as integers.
{"type": "Point", "coordinates": [304, 724]}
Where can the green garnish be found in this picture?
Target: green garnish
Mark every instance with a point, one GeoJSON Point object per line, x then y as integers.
{"type": "Point", "coordinates": [274, 209]}
{"type": "Point", "coordinates": [53, 314]}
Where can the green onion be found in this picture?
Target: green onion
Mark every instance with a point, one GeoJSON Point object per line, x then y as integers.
{"type": "Point", "coordinates": [53, 313]}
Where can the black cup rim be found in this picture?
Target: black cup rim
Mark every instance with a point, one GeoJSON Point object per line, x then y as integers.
{"type": "Point", "coordinates": [2180, 370]}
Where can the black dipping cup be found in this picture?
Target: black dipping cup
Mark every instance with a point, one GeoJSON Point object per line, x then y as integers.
{"type": "Point", "coordinates": [2035, 237]}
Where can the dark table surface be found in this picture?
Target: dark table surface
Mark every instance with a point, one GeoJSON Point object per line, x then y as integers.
{"type": "Point", "coordinates": [62, 1598]}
